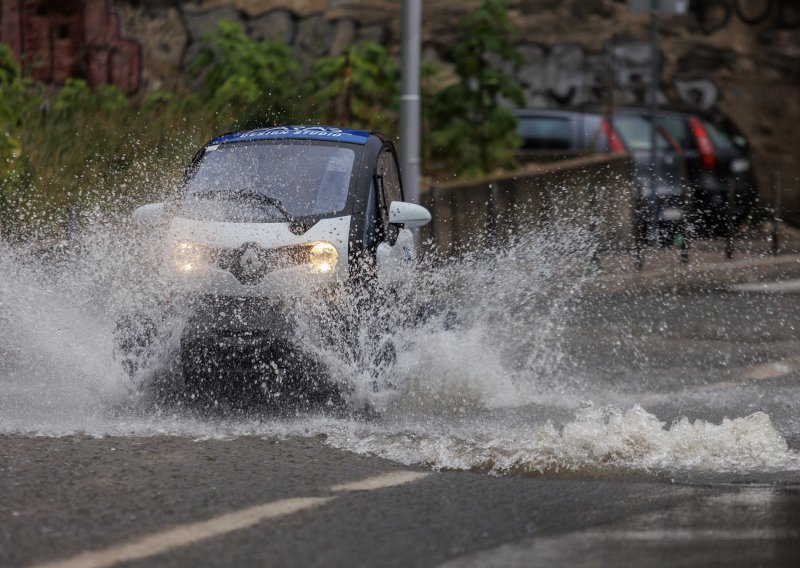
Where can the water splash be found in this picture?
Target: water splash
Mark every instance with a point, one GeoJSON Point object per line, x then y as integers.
{"type": "Point", "coordinates": [593, 440]}
{"type": "Point", "coordinates": [479, 383]}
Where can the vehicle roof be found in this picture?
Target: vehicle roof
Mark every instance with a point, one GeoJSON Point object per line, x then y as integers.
{"type": "Point", "coordinates": [665, 111]}
{"type": "Point", "coordinates": [622, 109]}
{"type": "Point", "coordinates": [523, 112]}
{"type": "Point", "coordinates": [300, 132]}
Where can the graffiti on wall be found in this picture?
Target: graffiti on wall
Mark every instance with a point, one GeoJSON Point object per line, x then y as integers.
{"type": "Point", "coordinates": [58, 39]}
{"type": "Point", "coordinates": [567, 75]}
{"type": "Point", "coordinates": [714, 15]}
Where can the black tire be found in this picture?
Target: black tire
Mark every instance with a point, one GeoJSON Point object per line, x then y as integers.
{"type": "Point", "coordinates": [753, 11]}
{"type": "Point", "coordinates": [134, 335]}
{"type": "Point", "coordinates": [293, 383]}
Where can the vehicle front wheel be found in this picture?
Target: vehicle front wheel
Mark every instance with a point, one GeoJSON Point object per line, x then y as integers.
{"type": "Point", "coordinates": [134, 336]}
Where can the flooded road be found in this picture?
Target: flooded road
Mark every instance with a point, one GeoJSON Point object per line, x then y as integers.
{"type": "Point", "coordinates": [80, 501]}
{"type": "Point", "coordinates": [637, 421]}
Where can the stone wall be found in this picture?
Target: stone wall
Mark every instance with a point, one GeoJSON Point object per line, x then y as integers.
{"type": "Point", "coordinates": [58, 39]}
{"type": "Point", "coordinates": [574, 52]}
{"type": "Point", "coordinates": [171, 31]}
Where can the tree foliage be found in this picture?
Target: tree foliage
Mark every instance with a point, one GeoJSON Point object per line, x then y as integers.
{"type": "Point", "coordinates": [471, 131]}
{"type": "Point", "coordinates": [252, 83]}
{"type": "Point", "coordinates": [11, 101]}
{"type": "Point", "coordinates": [78, 144]}
{"type": "Point", "coordinates": [358, 88]}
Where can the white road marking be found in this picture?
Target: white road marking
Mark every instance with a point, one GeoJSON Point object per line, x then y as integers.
{"type": "Point", "coordinates": [693, 534]}
{"type": "Point", "coordinates": [390, 479]}
{"type": "Point", "coordinates": [779, 287]}
{"type": "Point", "coordinates": [185, 535]}
{"type": "Point", "coordinates": [718, 385]}
{"type": "Point", "coordinates": [769, 371]}
{"type": "Point", "coordinates": [763, 372]}
{"type": "Point", "coordinates": [593, 547]}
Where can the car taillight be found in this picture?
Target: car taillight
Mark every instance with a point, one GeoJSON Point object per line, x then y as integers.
{"type": "Point", "coordinates": [614, 143]}
{"type": "Point", "coordinates": [708, 156]}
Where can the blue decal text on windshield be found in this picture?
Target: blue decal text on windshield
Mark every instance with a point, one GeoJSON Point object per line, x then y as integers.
{"type": "Point", "coordinates": [297, 132]}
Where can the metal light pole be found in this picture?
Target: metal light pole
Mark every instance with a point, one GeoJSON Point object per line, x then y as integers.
{"type": "Point", "coordinates": [655, 8]}
{"type": "Point", "coordinates": [654, 80]}
{"type": "Point", "coordinates": [410, 99]}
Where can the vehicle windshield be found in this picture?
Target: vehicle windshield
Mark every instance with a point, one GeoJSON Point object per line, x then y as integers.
{"type": "Point", "coordinates": [275, 179]}
{"type": "Point", "coordinates": [678, 129]}
{"type": "Point", "coordinates": [544, 133]}
{"type": "Point", "coordinates": [635, 132]}
{"type": "Point", "coordinates": [724, 139]}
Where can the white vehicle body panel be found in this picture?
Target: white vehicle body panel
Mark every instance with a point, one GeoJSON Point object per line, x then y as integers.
{"type": "Point", "coordinates": [234, 235]}
{"type": "Point", "coordinates": [392, 259]}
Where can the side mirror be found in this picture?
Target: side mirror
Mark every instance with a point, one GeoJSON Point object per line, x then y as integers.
{"type": "Point", "coordinates": [408, 214]}
{"type": "Point", "coordinates": [150, 214]}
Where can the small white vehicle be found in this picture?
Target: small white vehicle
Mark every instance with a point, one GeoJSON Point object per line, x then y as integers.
{"type": "Point", "coordinates": [261, 215]}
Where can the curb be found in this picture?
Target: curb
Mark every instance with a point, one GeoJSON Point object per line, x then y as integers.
{"type": "Point", "coordinates": [703, 276]}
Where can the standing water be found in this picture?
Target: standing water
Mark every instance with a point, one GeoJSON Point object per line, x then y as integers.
{"type": "Point", "coordinates": [521, 370]}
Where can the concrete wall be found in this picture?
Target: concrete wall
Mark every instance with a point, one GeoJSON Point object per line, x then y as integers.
{"type": "Point", "coordinates": [595, 194]}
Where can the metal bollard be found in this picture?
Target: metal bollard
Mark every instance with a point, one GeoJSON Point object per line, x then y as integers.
{"type": "Point", "coordinates": [729, 218]}
{"type": "Point", "coordinates": [593, 259]}
{"type": "Point", "coordinates": [639, 234]}
{"type": "Point", "coordinates": [491, 218]}
{"type": "Point", "coordinates": [776, 212]}
{"type": "Point", "coordinates": [688, 207]}
{"type": "Point", "coordinates": [71, 229]}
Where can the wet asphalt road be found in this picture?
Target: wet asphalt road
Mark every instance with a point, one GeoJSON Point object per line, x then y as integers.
{"type": "Point", "coordinates": [697, 354]}
{"type": "Point", "coordinates": [65, 496]}
{"type": "Point", "coordinates": [707, 355]}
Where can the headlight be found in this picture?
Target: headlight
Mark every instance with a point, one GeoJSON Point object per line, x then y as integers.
{"type": "Point", "coordinates": [322, 257]}
{"type": "Point", "coordinates": [190, 256]}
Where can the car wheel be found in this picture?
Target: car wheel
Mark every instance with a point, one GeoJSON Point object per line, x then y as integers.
{"type": "Point", "coordinates": [134, 335]}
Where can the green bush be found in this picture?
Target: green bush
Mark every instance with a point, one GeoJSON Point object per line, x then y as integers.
{"type": "Point", "coordinates": [471, 131]}
{"type": "Point", "coordinates": [13, 165]}
{"type": "Point", "coordinates": [83, 146]}
{"type": "Point", "coordinates": [358, 88]}
{"type": "Point", "coordinates": [76, 96]}
{"type": "Point", "coordinates": [80, 147]}
{"type": "Point", "coordinates": [249, 83]}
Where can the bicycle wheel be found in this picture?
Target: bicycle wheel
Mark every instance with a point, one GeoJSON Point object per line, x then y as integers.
{"type": "Point", "coordinates": [713, 15]}
{"type": "Point", "coordinates": [753, 11]}
{"type": "Point", "coordinates": [789, 14]}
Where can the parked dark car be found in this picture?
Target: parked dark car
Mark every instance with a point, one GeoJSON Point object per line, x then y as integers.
{"type": "Point", "coordinates": [716, 154]}
{"type": "Point", "coordinates": [702, 150]}
{"type": "Point", "coordinates": [581, 131]}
